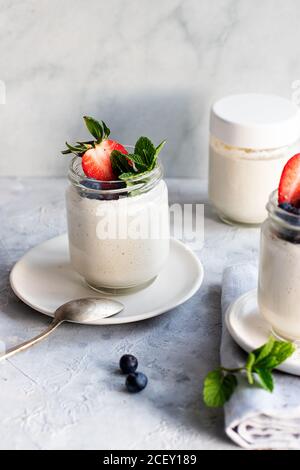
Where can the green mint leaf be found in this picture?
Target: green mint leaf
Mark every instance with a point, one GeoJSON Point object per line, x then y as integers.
{"type": "Point", "coordinates": [120, 163]}
{"type": "Point", "coordinates": [146, 150]}
{"type": "Point", "coordinates": [106, 130]}
{"type": "Point", "coordinates": [141, 161]}
{"type": "Point", "coordinates": [248, 366]}
{"type": "Point", "coordinates": [220, 384]}
{"type": "Point", "coordinates": [266, 379]}
{"type": "Point", "coordinates": [157, 151]}
{"type": "Point", "coordinates": [264, 350]}
{"type": "Point", "coordinates": [218, 388]}
{"type": "Point", "coordinates": [269, 362]}
{"type": "Point", "coordinates": [160, 147]}
{"type": "Point", "coordinates": [280, 351]}
{"type": "Point", "coordinates": [126, 176]}
{"type": "Point", "coordinates": [138, 161]}
{"type": "Point", "coordinates": [94, 127]}
{"type": "Point", "coordinates": [129, 175]}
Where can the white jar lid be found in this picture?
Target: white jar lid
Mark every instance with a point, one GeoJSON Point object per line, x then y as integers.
{"type": "Point", "coordinates": [255, 121]}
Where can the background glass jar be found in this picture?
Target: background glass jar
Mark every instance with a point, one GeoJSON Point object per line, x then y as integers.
{"type": "Point", "coordinates": [251, 138]}
{"type": "Point", "coordinates": [118, 234]}
{"type": "Point", "coordinates": [279, 271]}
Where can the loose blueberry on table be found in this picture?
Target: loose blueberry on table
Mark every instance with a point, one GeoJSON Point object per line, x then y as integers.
{"type": "Point", "coordinates": [128, 363]}
{"type": "Point", "coordinates": [136, 382]}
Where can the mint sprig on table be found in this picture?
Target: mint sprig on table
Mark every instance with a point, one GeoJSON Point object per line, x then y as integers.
{"type": "Point", "coordinates": [141, 161]}
{"type": "Point", "coordinates": [220, 383]}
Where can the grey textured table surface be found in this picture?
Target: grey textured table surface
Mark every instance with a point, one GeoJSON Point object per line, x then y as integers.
{"type": "Point", "coordinates": [66, 393]}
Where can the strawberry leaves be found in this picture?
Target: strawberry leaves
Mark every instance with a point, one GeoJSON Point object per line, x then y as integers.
{"type": "Point", "coordinates": [106, 130]}
{"type": "Point", "coordinates": [99, 131]}
{"type": "Point", "coordinates": [142, 160]}
{"type": "Point", "coordinates": [78, 149]}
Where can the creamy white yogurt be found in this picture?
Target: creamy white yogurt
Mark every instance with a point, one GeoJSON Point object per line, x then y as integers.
{"type": "Point", "coordinates": [241, 180]}
{"type": "Point", "coordinates": [279, 283]}
{"type": "Point", "coordinates": [119, 243]}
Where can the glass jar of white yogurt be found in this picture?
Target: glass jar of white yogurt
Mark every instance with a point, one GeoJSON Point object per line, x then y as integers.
{"type": "Point", "coordinates": [279, 271]}
{"type": "Point", "coordinates": [251, 138]}
{"type": "Point", "coordinates": [118, 233]}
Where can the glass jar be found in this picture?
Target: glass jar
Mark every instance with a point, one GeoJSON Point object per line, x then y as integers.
{"type": "Point", "coordinates": [279, 271]}
{"type": "Point", "coordinates": [118, 233]}
{"type": "Point", "coordinates": [251, 138]}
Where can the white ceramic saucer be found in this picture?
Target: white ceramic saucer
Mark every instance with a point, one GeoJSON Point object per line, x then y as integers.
{"type": "Point", "coordinates": [249, 329]}
{"type": "Point", "coordinates": [44, 280]}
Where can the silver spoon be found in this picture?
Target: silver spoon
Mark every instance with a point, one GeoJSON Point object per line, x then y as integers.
{"type": "Point", "coordinates": [87, 310]}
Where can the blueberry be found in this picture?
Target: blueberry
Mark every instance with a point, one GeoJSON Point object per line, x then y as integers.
{"type": "Point", "coordinates": [102, 197]}
{"type": "Point", "coordinates": [98, 197]}
{"type": "Point", "coordinates": [128, 363]}
{"type": "Point", "coordinates": [91, 184]}
{"type": "Point", "coordinates": [136, 382]}
{"type": "Point", "coordinates": [103, 185]}
{"type": "Point", "coordinates": [288, 207]}
{"type": "Point", "coordinates": [289, 234]}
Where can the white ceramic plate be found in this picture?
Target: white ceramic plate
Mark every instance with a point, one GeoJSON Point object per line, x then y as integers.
{"type": "Point", "coordinates": [249, 329]}
{"type": "Point", "coordinates": [44, 280]}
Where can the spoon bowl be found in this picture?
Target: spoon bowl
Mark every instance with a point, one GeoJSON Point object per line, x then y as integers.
{"type": "Point", "coordinates": [88, 310]}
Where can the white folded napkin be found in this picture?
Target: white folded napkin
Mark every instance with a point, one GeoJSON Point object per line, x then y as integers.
{"type": "Point", "coordinates": [255, 418]}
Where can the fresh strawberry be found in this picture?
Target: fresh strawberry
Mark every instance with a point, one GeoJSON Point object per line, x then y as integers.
{"type": "Point", "coordinates": [96, 161]}
{"type": "Point", "coordinates": [289, 185]}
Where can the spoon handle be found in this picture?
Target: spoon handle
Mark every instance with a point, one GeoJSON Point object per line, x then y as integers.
{"type": "Point", "coordinates": [21, 347]}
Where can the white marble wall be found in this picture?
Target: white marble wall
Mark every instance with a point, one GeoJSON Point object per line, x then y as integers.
{"type": "Point", "coordinates": [145, 66]}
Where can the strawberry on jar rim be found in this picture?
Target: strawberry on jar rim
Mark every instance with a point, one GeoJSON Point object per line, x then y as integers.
{"type": "Point", "coordinates": [95, 154]}
{"type": "Point", "coordinates": [289, 185]}
{"type": "Point", "coordinates": [96, 161]}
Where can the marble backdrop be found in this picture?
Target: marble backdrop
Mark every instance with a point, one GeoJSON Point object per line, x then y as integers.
{"type": "Point", "coordinates": [148, 67]}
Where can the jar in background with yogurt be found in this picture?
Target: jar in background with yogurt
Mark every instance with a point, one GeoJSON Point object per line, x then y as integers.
{"type": "Point", "coordinates": [251, 138]}
{"type": "Point", "coordinates": [118, 233]}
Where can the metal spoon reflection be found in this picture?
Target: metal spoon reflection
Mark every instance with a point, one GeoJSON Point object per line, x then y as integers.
{"type": "Point", "coordinates": [88, 310]}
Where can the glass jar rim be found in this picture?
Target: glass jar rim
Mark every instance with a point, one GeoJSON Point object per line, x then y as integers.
{"type": "Point", "coordinates": [281, 216]}
{"type": "Point", "coordinates": [141, 182]}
